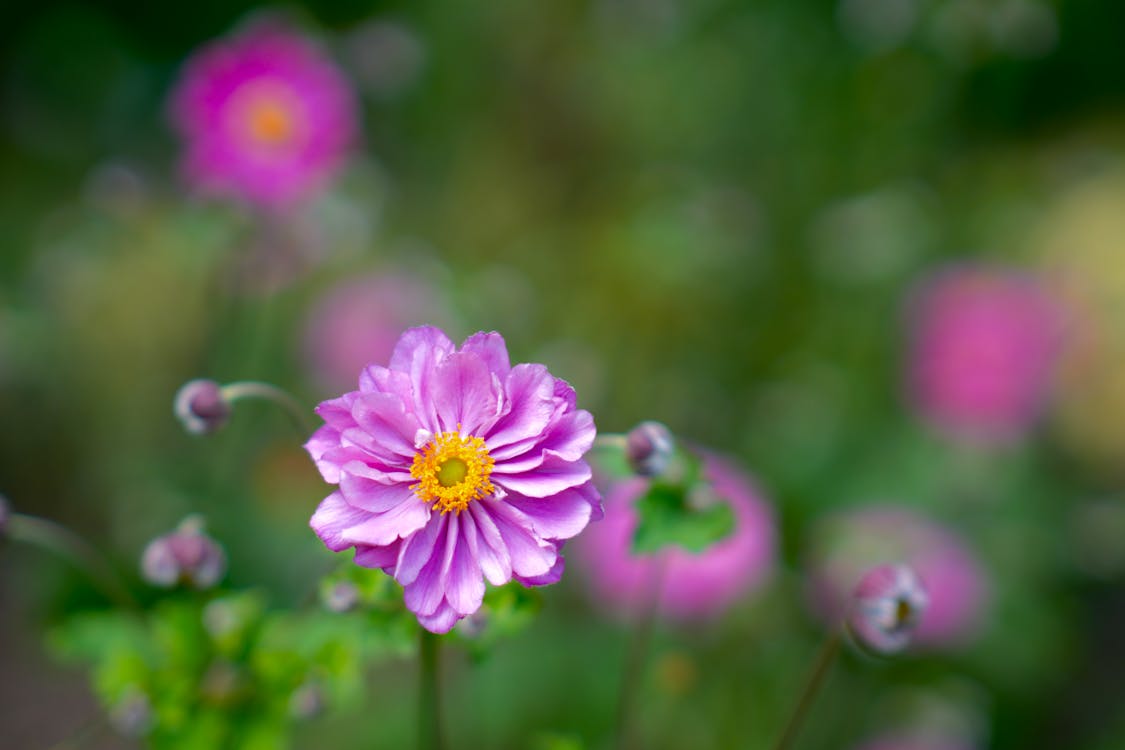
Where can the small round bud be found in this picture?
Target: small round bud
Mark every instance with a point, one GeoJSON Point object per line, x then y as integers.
{"type": "Point", "coordinates": [187, 555]}
{"type": "Point", "coordinates": [886, 607]}
{"type": "Point", "coordinates": [341, 596]}
{"type": "Point", "coordinates": [307, 701]}
{"type": "Point", "coordinates": [201, 407]}
{"type": "Point", "coordinates": [649, 448]}
{"type": "Point", "coordinates": [132, 714]}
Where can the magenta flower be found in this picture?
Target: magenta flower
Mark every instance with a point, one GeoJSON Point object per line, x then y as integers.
{"type": "Point", "coordinates": [691, 586]}
{"type": "Point", "coordinates": [454, 467]}
{"type": "Point", "coordinates": [359, 321]}
{"type": "Point", "coordinates": [846, 546]}
{"type": "Point", "coordinates": [265, 116]}
{"type": "Point", "coordinates": [983, 345]}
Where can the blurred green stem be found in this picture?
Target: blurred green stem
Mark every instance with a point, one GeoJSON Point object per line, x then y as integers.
{"type": "Point", "coordinates": [635, 659]}
{"type": "Point", "coordinates": [824, 661]}
{"type": "Point", "coordinates": [429, 696]}
{"type": "Point", "coordinates": [63, 542]}
{"type": "Point", "coordinates": [253, 389]}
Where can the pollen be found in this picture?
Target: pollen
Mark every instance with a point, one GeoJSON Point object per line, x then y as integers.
{"type": "Point", "coordinates": [271, 122]}
{"type": "Point", "coordinates": [452, 471]}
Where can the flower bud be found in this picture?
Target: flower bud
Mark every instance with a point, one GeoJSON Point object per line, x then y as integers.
{"type": "Point", "coordinates": [201, 407]}
{"type": "Point", "coordinates": [187, 555]}
{"type": "Point", "coordinates": [307, 701]}
{"type": "Point", "coordinates": [340, 597]}
{"type": "Point", "coordinates": [649, 448]}
{"type": "Point", "coordinates": [132, 714]}
{"type": "Point", "coordinates": [886, 607]}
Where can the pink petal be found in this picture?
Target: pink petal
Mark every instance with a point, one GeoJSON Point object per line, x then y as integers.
{"type": "Point", "coordinates": [464, 584]}
{"type": "Point", "coordinates": [417, 353]}
{"type": "Point", "coordinates": [441, 621]}
{"type": "Point", "coordinates": [332, 518]}
{"type": "Point", "coordinates": [530, 556]}
{"type": "Point", "coordinates": [531, 393]}
{"type": "Point", "coordinates": [417, 550]}
{"type": "Point", "coordinates": [487, 545]}
{"type": "Point", "coordinates": [550, 478]}
{"type": "Point", "coordinates": [378, 557]}
{"type": "Point", "coordinates": [491, 348]}
{"type": "Point", "coordinates": [384, 417]}
{"type": "Point", "coordinates": [465, 393]}
{"type": "Point", "coordinates": [373, 496]}
{"type": "Point", "coordinates": [383, 528]}
{"type": "Point", "coordinates": [560, 516]}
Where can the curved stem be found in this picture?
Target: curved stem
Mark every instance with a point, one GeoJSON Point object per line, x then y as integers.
{"type": "Point", "coordinates": [609, 440]}
{"type": "Point", "coordinates": [429, 694]}
{"type": "Point", "coordinates": [640, 644]}
{"type": "Point", "coordinates": [812, 686]}
{"type": "Point", "coordinates": [254, 389]}
{"type": "Point", "coordinates": [66, 544]}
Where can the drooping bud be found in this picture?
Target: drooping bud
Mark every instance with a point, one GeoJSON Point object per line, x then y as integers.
{"type": "Point", "coordinates": [649, 448]}
{"type": "Point", "coordinates": [187, 555]}
{"type": "Point", "coordinates": [201, 406]}
{"type": "Point", "coordinates": [887, 605]}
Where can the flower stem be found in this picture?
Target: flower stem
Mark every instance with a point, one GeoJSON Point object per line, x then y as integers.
{"type": "Point", "coordinates": [429, 695]}
{"type": "Point", "coordinates": [824, 661]}
{"type": "Point", "coordinates": [255, 389]}
{"type": "Point", "coordinates": [65, 543]}
{"type": "Point", "coordinates": [635, 659]}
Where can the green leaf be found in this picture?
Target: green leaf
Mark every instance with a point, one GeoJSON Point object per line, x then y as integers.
{"type": "Point", "coordinates": [668, 518]}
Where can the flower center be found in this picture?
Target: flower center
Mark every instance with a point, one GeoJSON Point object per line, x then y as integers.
{"type": "Point", "coordinates": [266, 115]}
{"type": "Point", "coordinates": [452, 471]}
{"type": "Point", "coordinates": [270, 122]}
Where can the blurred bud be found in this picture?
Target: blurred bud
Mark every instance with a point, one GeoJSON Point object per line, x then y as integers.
{"type": "Point", "coordinates": [201, 406]}
{"type": "Point", "coordinates": [474, 625]}
{"type": "Point", "coordinates": [649, 448]}
{"type": "Point", "coordinates": [887, 605]}
{"type": "Point", "coordinates": [187, 555]}
{"type": "Point", "coordinates": [341, 596]}
{"type": "Point", "coordinates": [223, 684]}
{"type": "Point", "coordinates": [307, 701]}
{"type": "Point", "coordinates": [132, 714]}
{"type": "Point", "coordinates": [5, 514]}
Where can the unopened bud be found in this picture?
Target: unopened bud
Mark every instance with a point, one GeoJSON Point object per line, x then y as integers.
{"type": "Point", "coordinates": [307, 701]}
{"type": "Point", "coordinates": [187, 555]}
{"type": "Point", "coordinates": [887, 606]}
{"type": "Point", "coordinates": [341, 596]}
{"type": "Point", "coordinates": [649, 448]}
{"type": "Point", "coordinates": [202, 407]}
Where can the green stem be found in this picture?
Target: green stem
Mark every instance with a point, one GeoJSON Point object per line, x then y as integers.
{"type": "Point", "coordinates": [824, 661]}
{"type": "Point", "coordinates": [254, 389]}
{"type": "Point", "coordinates": [429, 695]}
{"type": "Point", "coordinates": [640, 644]}
{"type": "Point", "coordinates": [65, 543]}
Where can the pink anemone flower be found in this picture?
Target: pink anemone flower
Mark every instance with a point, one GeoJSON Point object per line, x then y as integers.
{"type": "Point", "coordinates": [454, 467]}
{"type": "Point", "coordinates": [264, 115]}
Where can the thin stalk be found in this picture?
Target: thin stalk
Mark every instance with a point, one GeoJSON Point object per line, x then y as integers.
{"type": "Point", "coordinates": [254, 389]}
{"type": "Point", "coordinates": [65, 543]}
{"type": "Point", "coordinates": [429, 694]}
{"type": "Point", "coordinates": [640, 644]}
{"type": "Point", "coordinates": [824, 661]}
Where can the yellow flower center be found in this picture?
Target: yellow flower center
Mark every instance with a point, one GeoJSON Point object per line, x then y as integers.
{"type": "Point", "coordinates": [270, 122]}
{"type": "Point", "coordinates": [452, 471]}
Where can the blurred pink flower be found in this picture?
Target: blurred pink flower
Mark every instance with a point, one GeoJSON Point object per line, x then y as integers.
{"type": "Point", "coordinates": [983, 345]}
{"type": "Point", "coordinates": [886, 608]}
{"type": "Point", "coordinates": [845, 546]}
{"type": "Point", "coordinates": [358, 322]}
{"type": "Point", "coordinates": [265, 116]}
{"type": "Point", "coordinates": [692, 586]}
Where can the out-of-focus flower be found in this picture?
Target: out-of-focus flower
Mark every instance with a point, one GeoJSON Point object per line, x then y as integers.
{"type": "Point", "coordinates": [359, 321]}
{"type": "Point", "coordinates": [307, 701]}
{"type": "Point", "coordinates": [913, 741]}
{"type": "Point", "coordinates": [649, 447]}
{"type": "Point", "coordinates": [265, 116]}
{"type": "Point", "coordinates": [845, 546]}
{"type": "Point", "coordinates": [341, 597]}
{"type": "Point", "coordinates": [187, 555]}
{"type": "Point", "coordinates": [683, 585]}
{"type": "Point", "coordinates": [132, 714]}
{"type": "Point", "coordinates": [983, 345]}
{"type": "Point", "coordinates": [887, 606]}
{"type": "Point", "coordinates": [454, 467]}
{"type": "Point", "coordinates": [201, 406]}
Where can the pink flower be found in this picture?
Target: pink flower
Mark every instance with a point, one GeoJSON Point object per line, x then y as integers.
{"type": "Point", "coordinates": [692, 586]}
{"type": "Point", "coordinates": [845, 546]}
{"type": "Point", "coordinates": [265, 116]}
{"type": "Point", "coordinates": [454, 467]}
{"type": "Point", "coordinates": [359, 321]}
{"type": "Point", "coordinates": [983, 345]}
{"type": "Point", "coordinates": [886, 607]}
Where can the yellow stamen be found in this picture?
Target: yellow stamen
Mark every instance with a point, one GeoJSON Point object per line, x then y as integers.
{"type": "Point", "coordinates": [271, 122]}
{"type": "Point", "coordinates": [452, 471]}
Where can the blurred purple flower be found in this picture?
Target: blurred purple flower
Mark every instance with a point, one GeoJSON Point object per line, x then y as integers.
{"type": "Point", "coordinates": [886, 607]}
{"type": "Point", "coordinates": [983, 345]}
{"type": "Point", "coordinates": [454, 467]}
{"type": "Point", "coordinates": [359, 321]}
{"type": "Point", "coordinates": [845, 546]}
{"type": "Point", "coordinates": [265, 116]}
{"type": "Point", "coordinates": [691, 586]}
{"type": "Point", "coordinates": [187, 555]}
